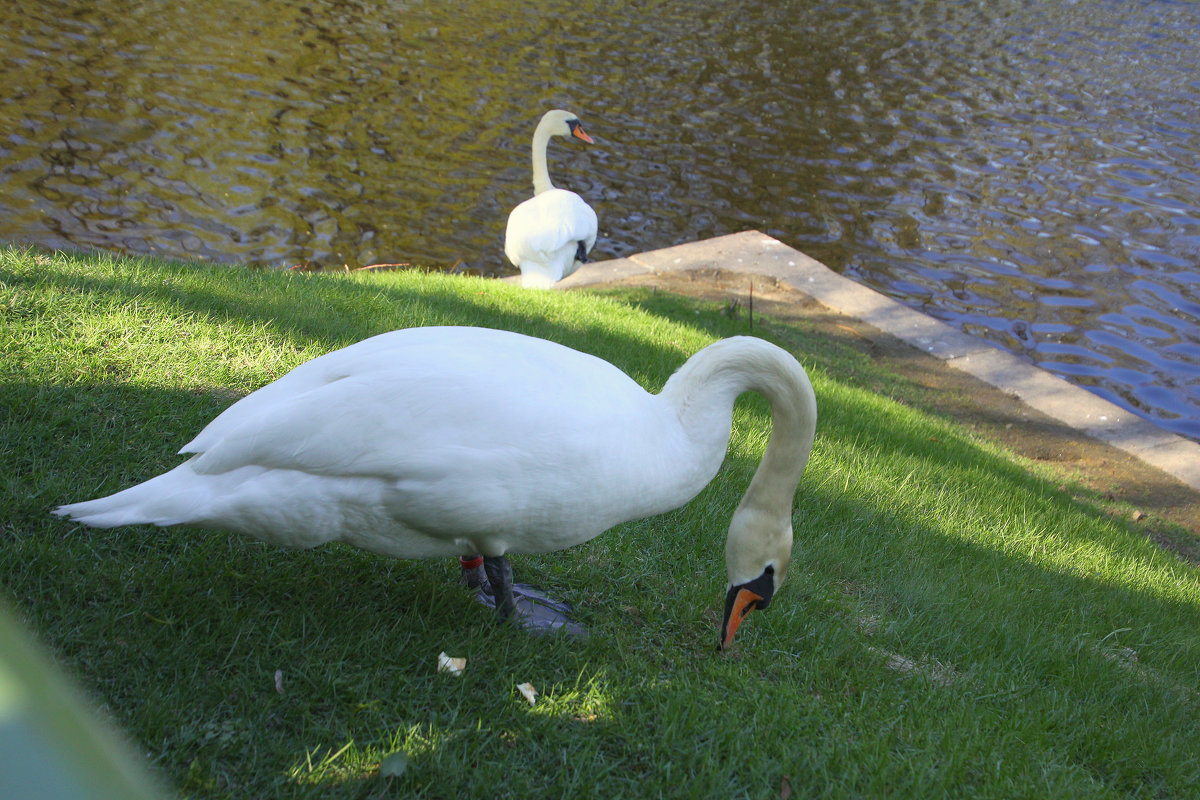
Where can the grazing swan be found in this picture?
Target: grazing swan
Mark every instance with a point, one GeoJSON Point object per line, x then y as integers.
{"type": "Point", "coordinates": [454, 441]}
{"type": "Point", "coordinates": [550, 234]}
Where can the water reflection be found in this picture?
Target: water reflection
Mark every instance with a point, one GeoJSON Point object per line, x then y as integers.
{"type": "Point", "coordinates": [1024, 171]}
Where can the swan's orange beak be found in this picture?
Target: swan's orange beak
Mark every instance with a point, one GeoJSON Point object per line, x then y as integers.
{"type": "Point", "coordinates": [740, 602]}
{"type": "Point", "coordinates": [579, 133]}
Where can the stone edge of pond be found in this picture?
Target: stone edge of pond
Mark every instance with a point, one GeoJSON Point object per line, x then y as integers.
{"type": "Point", "coordinates": [755, 253]}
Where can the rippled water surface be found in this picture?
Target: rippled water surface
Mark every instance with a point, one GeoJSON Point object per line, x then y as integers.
{"type": "Point", "coordinates": [1029, 172]}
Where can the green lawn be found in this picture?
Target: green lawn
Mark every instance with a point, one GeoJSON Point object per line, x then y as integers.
{"type": "Point", "coordinates": [954, 623]}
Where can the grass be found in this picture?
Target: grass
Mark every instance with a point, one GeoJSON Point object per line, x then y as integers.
{"type": "Point", "coordinates": [955, 622]}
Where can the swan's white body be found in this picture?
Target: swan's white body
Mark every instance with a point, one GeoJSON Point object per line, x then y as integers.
{"type": "Point", "coordinates": [546, 233]}
{"type": "Point", "coordinates": [454, 441]}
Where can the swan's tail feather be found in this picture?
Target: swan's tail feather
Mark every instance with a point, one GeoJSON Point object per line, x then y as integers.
{"type": "Point", "coordinates": [169, 499]}
{"type": "Point", "coordinates": [111, 519]}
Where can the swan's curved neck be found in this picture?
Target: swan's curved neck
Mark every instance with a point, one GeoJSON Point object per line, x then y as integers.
{"type": "Point", "coordinates": [541, 173]}
{"type": "Point", "coordinates": [703, 392]}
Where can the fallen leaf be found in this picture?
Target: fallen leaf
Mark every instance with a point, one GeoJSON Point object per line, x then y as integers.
{"type": "Point", "coordinates": [393, 765]}
{"type": "Point", "coordinates": [454, 666]}
{"type": "Point", "coordinates": [279, 681]}
{"type": "Point", "coordinates": [528, 692]}
{"type": "Point", "coordinates": [785, 789]}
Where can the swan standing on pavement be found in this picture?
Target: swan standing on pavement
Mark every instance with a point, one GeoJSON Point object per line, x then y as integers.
{"type": "Point", "coordinates": [429, 442]}
{"type": "Point", "coordinates": [550, 234]}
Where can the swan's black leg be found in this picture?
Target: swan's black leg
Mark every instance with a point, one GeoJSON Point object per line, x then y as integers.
{"type": "Point", "coordinates": [473, 576]}
{"type": "Point", "coordinates": [581, 252]}
{"type": "Point", "coordinates": [499, 574]}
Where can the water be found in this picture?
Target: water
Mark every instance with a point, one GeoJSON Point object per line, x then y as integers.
{"type": "Point", "coordinates": [1029, 172]}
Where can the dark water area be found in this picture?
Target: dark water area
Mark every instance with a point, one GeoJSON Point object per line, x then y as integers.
{"type": "Point", "coordinates": [1028, 172]}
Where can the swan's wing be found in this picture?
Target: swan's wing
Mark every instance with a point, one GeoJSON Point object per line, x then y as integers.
{"type": "Point", "coordinates": [580, 222]}
{"type": "Point", "coordinates": [418, 402]}
{"type": "Point", "coordinates": [547, 224]}
{"type": "Point", "coordinates": [313, 374]}
{"type": "Point", "coordinates": [359, 425]}
{"type": "Point", "coordinates": [588, 226]}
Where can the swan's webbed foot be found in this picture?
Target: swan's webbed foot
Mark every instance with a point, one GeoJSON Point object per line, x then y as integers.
{"type": "Point", "coordinates": [530, 607]}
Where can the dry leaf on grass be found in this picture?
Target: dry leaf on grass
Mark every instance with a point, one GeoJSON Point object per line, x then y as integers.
{"type": "Point", "coordinates": [454, 666]}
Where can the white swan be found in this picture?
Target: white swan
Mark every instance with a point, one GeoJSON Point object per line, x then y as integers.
{"type": "Point", "coordinates": [454, 441]}
{"type": "Point", "coordinates": [550, 234]}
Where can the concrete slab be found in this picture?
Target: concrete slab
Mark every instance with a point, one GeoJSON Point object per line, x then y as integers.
{"type": "Point", "coordinates": [1177, 458]}
{"type": "Point", "coordinates": [601, 272]}
{"type": "Point", "coordinates": [754, 253]}
{"type": "Point", "coordinates": [1063, 401]}
{"type": "Point", "coordinates": [749, 252]}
